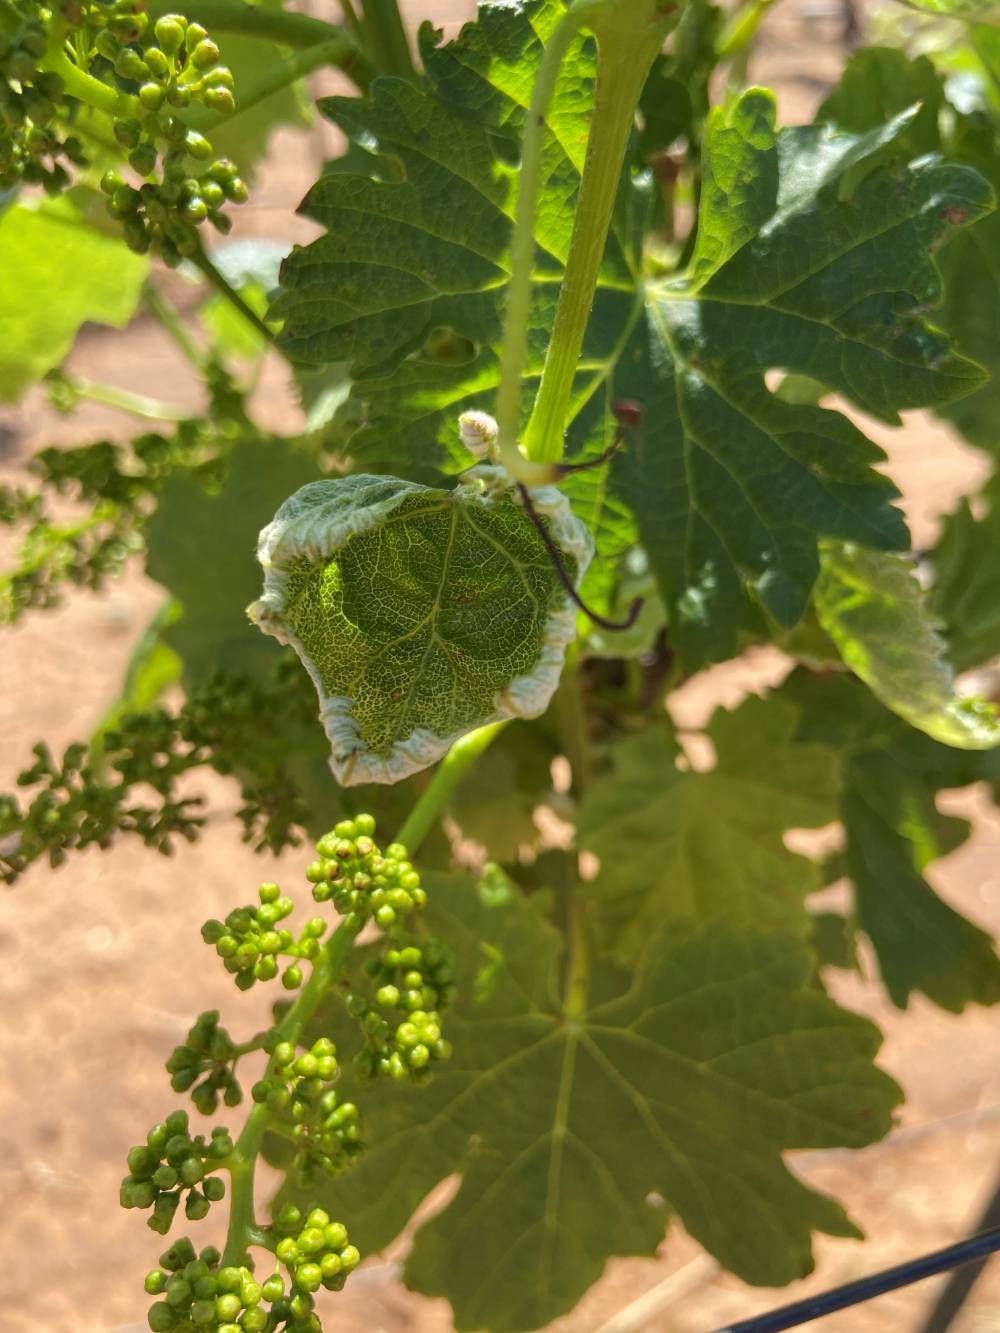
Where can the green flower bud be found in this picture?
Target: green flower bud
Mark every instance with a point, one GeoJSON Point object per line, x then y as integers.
{"type": "Point", "coordinates": [292, 977]}
{"type": "Point", "coordinates": [161, 1317]}
{"type": "Point", "coordinates": [127, 132]}
{"type": "Point", "coordinates": [130, 65]}
{"type": "Point", "coordinates": [179, 96]}
{"type": "Point", "coordinates": [228, 1305]}
{"type": "Point", "coordinates": [151, 96]}
{"type": "Point", "coordinates": [142, 1161]}
{"type": "Point", "coordinates": [108, 45]}
{"type": "Point", "coordinates": [125, 201]}
{"type": "Point", "coordinates": [202, 1313]}
{"type": "Point", "coordinates": [220, 100]}
{"type": "Point", "coordinates": [205, 54]}
{"type": "Point", "coordinates": [335, 1235]}
{"type": "Point", "coordinates": [178, 1292]}
{"type": "Point", "coordinates": [170, 32]}
{"type": "Point", "coordinates": [196, 1206]}
{"type": "Point", "coordinates": [273, 1289]}
{"type": "Point", "coordinates": [195, 34]}
{"type": "Point", "coordinates": [158, 64]}
{"type": "Point", "coordinates": [308, 1277]}
{"type": "Point", "coordinates": [287, 1251]}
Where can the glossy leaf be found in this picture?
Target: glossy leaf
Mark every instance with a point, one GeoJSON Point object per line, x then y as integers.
{"type": "Point", "coordinates": [814, 257]}
{"type": "Point", "coordinates": [878, 84]}
{"type": "Point", "coordinates": [689, 1083]}
{"type": "Point", "coordinates": [874, 610]}
{"type": "Point", "coordinates": [965, 595]}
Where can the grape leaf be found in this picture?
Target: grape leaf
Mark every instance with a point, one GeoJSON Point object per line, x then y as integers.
{"type": "Point", "coordinates": [893, 830]}
{"type": "Point", "coordinates": [826, 243]}
{"type": "Point", "coordinates": [965, 595]}
{"type": "Point", "coordinates": [878, 84]}
{"type": "Point", "coordinates": [244, 136]}
{"type": "Point", "coordinates": [495, 801]}
{"type": "Point", "coordinates": [200, 548]}
{"type": "Point", "coordinates": [689, 1083]}
{"type": "Point", "coordinates": [697, 845]}
{"type": "Point", "coordinates": [67, 272]}
{"type": "Point", "coordinates": [423, 251]}
{"type": "Point", "coordinates": [419, 613]}
{"type": "Point", "coordinates": [728, 482]}
{"type": "Point", "coordinates": [873, 609]}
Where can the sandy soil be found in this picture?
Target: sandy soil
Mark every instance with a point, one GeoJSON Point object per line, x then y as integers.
{"type": "Point", "coordinates": [101, 969]}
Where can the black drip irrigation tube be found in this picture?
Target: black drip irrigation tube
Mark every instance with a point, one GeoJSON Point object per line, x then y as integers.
{"type": "Point", "coordinates": [975, 1249]}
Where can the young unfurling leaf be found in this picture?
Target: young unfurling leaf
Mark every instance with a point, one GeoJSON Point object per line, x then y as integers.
{"type": "Point", "coordinates": [419, 613]}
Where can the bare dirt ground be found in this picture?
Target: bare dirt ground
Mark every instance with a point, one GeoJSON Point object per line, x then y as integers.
{"type": "Point", "coordinates": [102, 970]}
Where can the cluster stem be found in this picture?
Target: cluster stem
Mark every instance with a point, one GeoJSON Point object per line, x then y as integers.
{"type": "Point", "coordinates": [243, 1229]}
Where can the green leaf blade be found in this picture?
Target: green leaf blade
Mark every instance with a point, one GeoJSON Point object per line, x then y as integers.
{"type": "Point", "coordinates": [690, 1084]}
{"type": "Point", "coordinates": [466, 623]}
{"type": "Point", "coordinates": [683, 845]}
{"type": "Point", "coordinates": [873, 608]}
{"type": "Point", "coordinates": [68, 272]}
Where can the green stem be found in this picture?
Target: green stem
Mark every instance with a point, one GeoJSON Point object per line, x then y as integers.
{"type": "Point", "coordinates": [243, 1162]}
{"type": "Point", "coordinates": [326, 969]}
{"type": "Point", "coordinates": [739, 32]}
{"type": "Point", "coordinates": [386, 40]}
{"type": "Point", "coordinates": [578, 968]}
{"type": "Point", "coordinates": [629, 36]}
{"type": "Point", "coordinates": [522, 258]}
{"type": "Point", "coordinates": [460, 757]}
{"type": "Point", "coordinates": [277, 75]}
{"type": "Point", "coordinates": [135, 403]}
{"type": "Point", "coordinates": [350, 17]}
{"type": "Point", "coordinates": [202, 262]}
{"type": "Point", "coordinates": [170, 321]}
{"type": "Point", "coordinates": [85, 88]}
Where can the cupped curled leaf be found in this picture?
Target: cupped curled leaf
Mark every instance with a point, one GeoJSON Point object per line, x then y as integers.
{"type": "Point", "coordinates": [419, 613]}
{"type": "Point", "coordinates": [872, 607]}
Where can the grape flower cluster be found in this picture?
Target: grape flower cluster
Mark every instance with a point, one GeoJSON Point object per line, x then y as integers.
{"type": "Point", "coordinates": [402, 1029]}
{"type": "Point", "coordinates": [204, 1063]}
{"type": "Point", "coordinates": [180, 67]}
{"type": "Point", "coordinates": [152, 74]}
{"type": "Point", "coordinates": [250, 942]}
{"type": "Point", "coordinates": [413, 983]}
{"type": "Point", "coordinates": [298, 1090]}
{"type": "Point", "coordinates": [32, 146]}
{"type": "Point", "coordinates": [200, 1295]}
{"type": "Point", "coordinates": [299, 1119]}
{"type": "Point", "coordinates": [172, 1163]}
